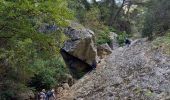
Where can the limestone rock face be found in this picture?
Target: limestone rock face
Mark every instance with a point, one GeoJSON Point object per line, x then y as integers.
{"type": "Point", "coordinates": [137, 72]}
{"type": "Point", "coordinates": [103, 50]}
{"type": "Point", "coordinates": [81, 45]}
{"type": "Point", "coordinates": [79, 52]}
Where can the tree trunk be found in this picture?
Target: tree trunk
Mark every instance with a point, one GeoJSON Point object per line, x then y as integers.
{"type": "Point", "coordinates": [110, 21]}
{"type": "Point", "coordinates": [118, 12]}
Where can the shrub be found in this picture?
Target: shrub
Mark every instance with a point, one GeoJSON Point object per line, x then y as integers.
{"type": "Point", "coordinates": [103, 37]}
{"type": "Point", "coordinates": [121, 38]}
{"type": "Point", "coordinates": [157, 18]}
{"type": "Point", "coordinates": [28, 52]}
{"type": "Point", "coordinates": [48, 73]}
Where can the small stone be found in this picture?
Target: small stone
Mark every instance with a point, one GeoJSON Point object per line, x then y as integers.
{"type": "Point", "coordinates": [60, 89]}
{"type": "Point", "coordinates": [66, 86]}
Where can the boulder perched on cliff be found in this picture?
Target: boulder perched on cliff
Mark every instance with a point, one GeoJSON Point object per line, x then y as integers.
{"type": "Point", "coordinates": [81, 45]}
{"type": "Point", "coordinates": [103, 50]}
{"type": "Point", "coordinates": [79, 52]}
{"type": "Point", "coordinates": [137, 72]}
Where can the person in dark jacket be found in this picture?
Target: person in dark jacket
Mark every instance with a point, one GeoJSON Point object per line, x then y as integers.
{"type": "Point", "coordinates": [94, 64]}
{"type": "Point", "coordinates": [51, 95]}
{"type": "Point", "coordinates": [127, 42]}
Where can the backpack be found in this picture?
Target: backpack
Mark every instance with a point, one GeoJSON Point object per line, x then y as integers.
{"type": "Point", "coordinates": [41, 95]}
{"type": "Point", "coordinates": [49, 94]}
{"type": "Point", "coordinates": [127, 41]}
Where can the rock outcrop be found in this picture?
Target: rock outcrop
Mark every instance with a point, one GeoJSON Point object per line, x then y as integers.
{"type": "Point", "coordinates": [114, 43]}
{"type": "Point", "coordinates": [79, 52]}
{"type": "Point", "coordinates": [138, 72]}
{"type": "Point", "coordinates": [103, 50]}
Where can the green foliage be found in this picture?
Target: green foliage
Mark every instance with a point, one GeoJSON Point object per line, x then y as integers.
{"type": "Point", "coordinates": [92, 19]}
{"type": "Point", "coordinates": [121, 38]}
{"type": "Point", "coordinates": [89, 16]}
{"type": "Point", "coordinates": [107, 10]}
{"type": "Point", "coordinates": [12, 90]}
{"type": "Point", "coordinates": [79, 7]}
{"type": "Point", "coordinates": [26, 51]}
{"type": "Point", "coordinates": [100, 16]}
{"type": "Point", "coordinates": [157, 18]}
{"type": "Point", "coordinates": [48, 73]}
{"type": "Point", "coordinates": [103, 37]}
{"type": "Point", "coordinates": [148, 26]}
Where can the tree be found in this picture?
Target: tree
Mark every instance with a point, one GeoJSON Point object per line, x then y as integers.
{"type": "Point", "coordinates": [118, 12]}
{"type": "Point", "coordinates": [157, 18]}
{"type": "Point", "coordinates": [29, 33]}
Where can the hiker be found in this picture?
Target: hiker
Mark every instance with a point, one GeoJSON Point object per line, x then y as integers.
{"type": "Point", "coordinates": [94, 64]}
{"type": "Point", "coordinates": [42, 95]}
{"type": "Point", "coordinates": [127, 42]}
{"type": "Point", "coordinates": [51, 95]}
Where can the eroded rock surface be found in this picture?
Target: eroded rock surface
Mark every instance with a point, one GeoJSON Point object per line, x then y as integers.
{"type": "Point", "coordinates": [138, 72]}
{"type": "Point", "coordinates": [114, 43]}
{"type": "Point", "coordinates": [79, 52]}
{"type": "Point", "coordinates": [103, 50]}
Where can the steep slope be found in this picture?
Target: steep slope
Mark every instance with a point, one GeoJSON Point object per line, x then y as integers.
{"type": "Point", "coordinates": [138, 72]}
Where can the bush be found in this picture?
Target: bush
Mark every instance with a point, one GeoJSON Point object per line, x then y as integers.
{"type": "Point", "coordinates": [121, 38]}
{"type": "Point", "coordinates": [48, 73]}
{"type": "Point", "coordinates": [27, 51]}
{"type": "Point", "coordinates": [157, 18]}
{"type": "Point", "coordinates": [12, 89]}
{"type": "Point", "coordinates": [103, 37]}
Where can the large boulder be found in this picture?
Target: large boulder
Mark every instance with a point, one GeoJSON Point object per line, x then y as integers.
{"type": "Point", "coordinates": [79, 52]}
